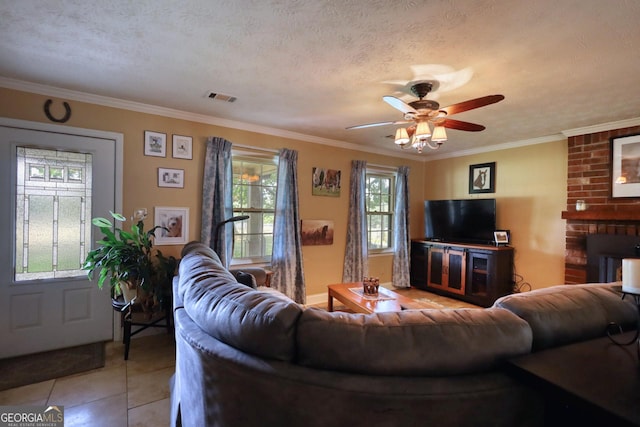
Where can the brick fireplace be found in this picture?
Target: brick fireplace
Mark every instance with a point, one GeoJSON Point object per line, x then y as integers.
{"type": "Point", "coordinates": [589, 179]}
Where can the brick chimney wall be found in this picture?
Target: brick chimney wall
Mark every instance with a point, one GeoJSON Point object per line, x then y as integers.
{"type": "Point", "coordinates": [589, 179]}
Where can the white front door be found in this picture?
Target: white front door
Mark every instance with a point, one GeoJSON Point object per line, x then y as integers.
{"type": "Point", "coordinates": [53, 180]}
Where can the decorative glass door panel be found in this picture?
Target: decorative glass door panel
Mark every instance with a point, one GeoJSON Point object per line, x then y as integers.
{"type": "Point", "coordinates": [53, 202]}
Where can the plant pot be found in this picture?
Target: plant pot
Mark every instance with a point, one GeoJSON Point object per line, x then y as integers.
{"type": "Point", "coordinates": [128, 293]}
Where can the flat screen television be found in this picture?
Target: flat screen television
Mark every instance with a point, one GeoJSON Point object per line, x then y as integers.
{"type": "Point", "coordinates": [463, 221]}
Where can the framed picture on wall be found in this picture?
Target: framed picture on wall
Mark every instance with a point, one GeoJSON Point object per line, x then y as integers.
{"type": "Point", "coordinates": [316, 232]}
{"type": "Point", "coordinates": [625, 166]}
{"type": "Point", "coordinates": [174, 223]}
{"type": "Point", "coordinates": [155, 144]}
{"type": "Point", "coordinates": [325, 182]}
{"type": "Point", "coordinates": [182, 146]}
{"type": "Point", "coordinates": [482, 178]}
{"type": "Point", "coordinates": [173, 178]}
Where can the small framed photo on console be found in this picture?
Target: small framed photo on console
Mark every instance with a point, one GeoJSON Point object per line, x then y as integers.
{"type": "Point", "coordinates": [501, 237]}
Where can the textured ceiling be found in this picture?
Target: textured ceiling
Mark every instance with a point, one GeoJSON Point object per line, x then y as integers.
{"type": "Point", "coordinates": [316, 67]}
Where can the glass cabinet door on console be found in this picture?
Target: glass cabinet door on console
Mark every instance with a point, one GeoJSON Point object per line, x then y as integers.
{"type": "Point", "coordinates": [479, 274]}
{"type": "Point", "coordinates": [447, 268]}
{"type": "Point", "coordinates": [419, 264]}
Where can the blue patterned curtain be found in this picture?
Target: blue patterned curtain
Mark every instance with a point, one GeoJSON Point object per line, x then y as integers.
{"type": "Point", "coordinates": [217, 197]}
{"type": "Point", "coordinates": [401, 243]}
{"type": "Point", "coordinates": [356, 252]}
{"type": "Point", "coordinates": [286, 259]}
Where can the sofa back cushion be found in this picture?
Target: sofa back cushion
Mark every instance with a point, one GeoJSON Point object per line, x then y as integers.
{"type": "Point", "coordinates": [564, 314]}
{"type": "Point", "coordinates": [255, 322]}
{"type": "Point", "coordinates": [412, 342]}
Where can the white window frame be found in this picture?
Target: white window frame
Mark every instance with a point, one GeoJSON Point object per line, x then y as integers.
{"type": "Point", "coordinates": [240, 226]}
{"type": "Point", "coordinates": [383, 174]}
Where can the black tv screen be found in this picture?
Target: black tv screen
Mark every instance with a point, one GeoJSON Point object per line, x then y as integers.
{"type": "Point", "coordinates": [463, 221]}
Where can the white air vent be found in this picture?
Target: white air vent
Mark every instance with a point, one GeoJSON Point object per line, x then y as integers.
{"type": "Point", "coordinates": [220, 97]}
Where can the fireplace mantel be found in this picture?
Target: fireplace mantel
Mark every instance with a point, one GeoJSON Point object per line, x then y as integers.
{"type": "Point", "coordinates": [605, 215]}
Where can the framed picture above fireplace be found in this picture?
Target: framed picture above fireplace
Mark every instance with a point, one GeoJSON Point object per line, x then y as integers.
{"type": "Point", "coordinates": [625, 166]}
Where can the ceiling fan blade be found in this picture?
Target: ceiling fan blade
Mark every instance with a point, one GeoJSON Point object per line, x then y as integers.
{"type": "Point", "coordinates": [399, 104]}
{"type": "Point", "coordinates": [459, 125]}
{"type": "Point", "coordinates": [472, 103]}
{"type": "Point", "coordinates": [368, 125]}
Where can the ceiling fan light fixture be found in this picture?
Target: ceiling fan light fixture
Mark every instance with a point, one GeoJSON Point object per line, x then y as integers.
{"type": "Point", "coordinates": [424, 111]}
{"type": "Point", "coordinates": [419, 144]}
{"type": "Point", "coordinates": [422, 131]}
{"type": "Point", "coordinates": [402, 137]}
{"type": "Point", "coordinates": [439, 134]}
{"type": "Point", "coordinates": [434, 145]}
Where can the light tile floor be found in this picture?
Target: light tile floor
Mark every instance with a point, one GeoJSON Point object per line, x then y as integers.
{"type": "Point", "coordinates": [122, 394]}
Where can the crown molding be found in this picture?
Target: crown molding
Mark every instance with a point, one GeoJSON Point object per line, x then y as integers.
{"type": "Point", "coordinates": [498, 147]}
{"type": "Point", "coordinates": [602, 127]}
{"type": "Point", "coordinates": [185, 115]}
{"type": "Point", "coordinates": [232, 124]}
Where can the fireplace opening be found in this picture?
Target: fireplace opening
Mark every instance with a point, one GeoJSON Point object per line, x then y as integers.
{"type": "Point", "coordinates": [605, 253]}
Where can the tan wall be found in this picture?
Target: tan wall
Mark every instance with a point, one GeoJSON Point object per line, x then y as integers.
{"type": "Point", "coordinates": [531, 194]}
{"type": "Point", "coordinates": [322, 264]}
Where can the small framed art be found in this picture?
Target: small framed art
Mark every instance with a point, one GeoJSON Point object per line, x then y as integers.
{"type": "Point", "coordinates": [155, 144]}
{"type": "Point", "coordinates": [182, 147]}
{"type": "Point", "coordinates": [174, 223]}
{"type": "Point", "coordinates": [316, 232]}
{"type": "Point", "coordinates": [325, 182]}
{"type": "Point", "coordinates": [482, 178]}
{"type": "Point", "coordinates": [173, 178]}
{"type": "Point", "coordinates": [501, 237]}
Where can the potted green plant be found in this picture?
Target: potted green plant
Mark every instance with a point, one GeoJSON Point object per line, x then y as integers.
{"type": "Point", "coordinates": [129, 262]}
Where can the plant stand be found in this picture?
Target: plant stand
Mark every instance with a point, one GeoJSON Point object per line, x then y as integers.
{"type": "Point", "coordinates": [127, 309]}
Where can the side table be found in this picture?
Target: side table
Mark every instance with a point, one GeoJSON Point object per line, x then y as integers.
{"type": "Point", "coordinates": [589, 383]}
{"type": "Point", "coordinates": [127, 309]}
{"type": "Point", "coordinates": [614, 327]}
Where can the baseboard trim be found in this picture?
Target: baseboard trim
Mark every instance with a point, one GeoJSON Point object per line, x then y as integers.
{"type": "Point", "coordinates": [316, 299]}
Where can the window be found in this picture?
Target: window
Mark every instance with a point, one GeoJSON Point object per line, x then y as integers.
{"type": "Point", "coordinates": [379, 206]}
{"type": "Point", "coordinates": [254, 194]}
{"type": "Point", "coordinates": [52, 206]}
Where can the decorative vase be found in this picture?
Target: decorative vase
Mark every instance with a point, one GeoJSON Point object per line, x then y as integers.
{"type": "Point", "coordinates": [370, 285]}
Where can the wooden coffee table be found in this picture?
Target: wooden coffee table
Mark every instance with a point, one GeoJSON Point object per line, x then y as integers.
{"type": "Point", "coordinates": [386, 301]}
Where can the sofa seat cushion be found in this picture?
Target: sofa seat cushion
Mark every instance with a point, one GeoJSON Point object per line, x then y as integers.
{"type": "Point", "coordinates": [565, 314]}
{"type": "Point", "coordinates": [255, 322]}
{"type": "Point", "coordinates": [412, 342]}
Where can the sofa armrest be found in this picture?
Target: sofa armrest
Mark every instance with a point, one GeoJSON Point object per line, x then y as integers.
{"type": "Point", "coordinates": [563, 314]}
{"type": "Point", "coordinates": [261, 276]}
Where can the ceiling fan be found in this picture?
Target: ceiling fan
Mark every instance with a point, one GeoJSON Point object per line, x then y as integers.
{"type": "Point", "coordinates": [424, 111]}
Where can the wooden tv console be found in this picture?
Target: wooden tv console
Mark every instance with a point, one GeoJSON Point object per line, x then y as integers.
{"type": "Point", "coordinates": [478, 274]}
